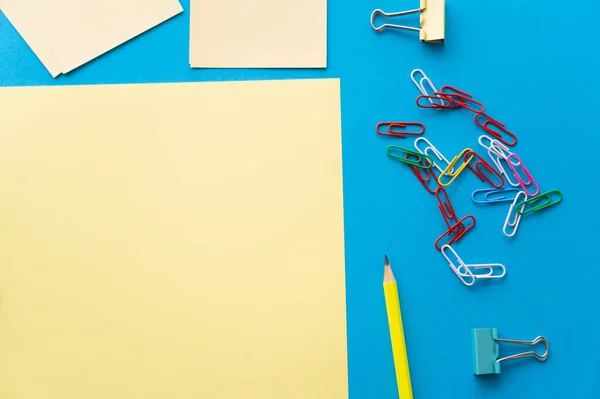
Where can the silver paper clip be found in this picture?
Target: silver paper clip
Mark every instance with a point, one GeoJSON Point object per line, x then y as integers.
{"type": "Point", "coordinates": [420, 83]}
{"type": "Point", "coordinates": [497, 160]}
{"type": "Point", "coordinates": [468, 274]}
{"type": "Point", "coordinates": [432, 20]}
{"type": "Point", "coordinates": [514, 221]}
{"type": "Point", "coordinates": [435, 153]}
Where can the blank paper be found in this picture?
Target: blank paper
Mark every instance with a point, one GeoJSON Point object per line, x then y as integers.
{"type": "Point", "coordinates": [66, 34]}
{"type": "Point", "coordinates": [258, 34]}
{"type": "Point", "coordinates": [172, 241]}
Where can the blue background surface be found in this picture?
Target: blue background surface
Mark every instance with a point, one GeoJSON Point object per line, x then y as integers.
{"type": "Point", "coordinates": [535, 65]}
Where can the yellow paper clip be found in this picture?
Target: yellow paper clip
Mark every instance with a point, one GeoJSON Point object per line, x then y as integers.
{"type": "Point", "coordinates": [454, 173]}
{"type": "Point", "coordinates": [433, 20]}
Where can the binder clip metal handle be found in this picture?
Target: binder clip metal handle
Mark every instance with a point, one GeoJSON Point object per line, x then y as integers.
{"type": "Point", "coordinates": [486, 350]}
{"type": "Point", "coordinates": [432, 20]}
{"type": "Point", "coordinates": [538, 340]}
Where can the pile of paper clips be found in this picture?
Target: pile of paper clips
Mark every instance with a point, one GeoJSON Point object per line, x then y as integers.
{"type": "Point", "coordinates": [524, 193]}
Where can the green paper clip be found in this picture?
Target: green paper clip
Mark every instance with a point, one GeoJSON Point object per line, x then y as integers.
{"type": "Point", "coordinates": [547, 196]}
{"type": "Point", "coordinates": [406, 159]}
{"type": "Point", "coordinates": [486, 350]}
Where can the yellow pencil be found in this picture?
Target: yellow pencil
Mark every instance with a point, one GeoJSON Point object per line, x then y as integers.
{"type": "Point", "coordinates": [392, 304]}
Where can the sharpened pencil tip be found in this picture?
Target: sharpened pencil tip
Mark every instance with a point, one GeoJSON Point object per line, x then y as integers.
{"type": "Point", "coordinates": [387, 262]}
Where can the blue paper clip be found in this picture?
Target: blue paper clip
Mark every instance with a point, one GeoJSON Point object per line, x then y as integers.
{"type": "Point", "coordinates": [486, 350]}
{"type": "Point", "coordinates": [494, 195]}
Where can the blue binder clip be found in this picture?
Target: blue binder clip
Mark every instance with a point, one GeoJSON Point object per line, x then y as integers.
{"type": "Point", "coordinates": [486, 350]}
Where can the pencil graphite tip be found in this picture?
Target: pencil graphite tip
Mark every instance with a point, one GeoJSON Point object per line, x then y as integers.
{"type": "Point", "coordinates": [387, 262]}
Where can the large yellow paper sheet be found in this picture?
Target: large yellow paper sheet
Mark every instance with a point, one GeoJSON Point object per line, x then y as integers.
{"type": "Point", "coordinates": [172, 241]}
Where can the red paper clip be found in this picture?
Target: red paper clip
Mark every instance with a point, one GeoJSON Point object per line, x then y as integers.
{"type": "Point", "coordinates": [429, 173]}
{"type": "Point", "coordinates": [446, 207]}
{"type": "Point", "coordinates": [393, 129]}
{"type": "Point", "coordinates": [481, 166]}
{"type": "Point", "coordinates": [495, 133]}
{"type": "Point", "coordinates": [458, 230]}
{"type": "Point", "coordinates": [445, 102]}
{"type": "Point", "coordinates": [464, 101]}
{"type": "Point", "coordinates": [446, 88]}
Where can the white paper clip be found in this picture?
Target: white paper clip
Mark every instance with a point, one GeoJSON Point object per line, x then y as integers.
{"type": "Point", "coordinates": [421, 86]}
{"type": "Point", "coordinates": [497, 152]}
{"type": "Point", "coordinates": [434, 154]}
{"type": "Point", "coordinates": [468, 274]}
{"type": "Point", "coordinates": [514, 222]}
{"type": "Point", "coordinates": [432, 20]}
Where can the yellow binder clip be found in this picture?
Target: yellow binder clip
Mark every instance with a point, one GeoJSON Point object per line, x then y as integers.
{"type": "Point", "coordinates": [451, 171]}
{"type": "Point", "coordinates": [433, 20]}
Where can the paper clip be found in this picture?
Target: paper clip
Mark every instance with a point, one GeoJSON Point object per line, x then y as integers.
{"type": "Point", "coordinates": [497, 161]}
{"type": "Point", "coordinates": [493, 195]}
{"type": "Point", "coordinates": [468, 274]}
{"type": "Point", "coordinates": [486, 350]}
{"type": "Point", "coordinates": [435, 153]}
{"type": "Point", "coordinates": [495, 146]}
{"type": "Point", "coordinates": [429, 173]}
{"type": "Point", "coordinates": [421, 86]}
{"type": "Point", "coordinates": [418, 155]}
{"type": "Point", "coordinates": [497, 134]}
{"type": "Point", "coordinates": [393, 129]}
{"type": "Point", "coordinates": [514, 210]}
{"type": "Point", "coordinates": [446, 207]}
{"type": "Point", "coordinates": [450, 168]}
{"type": "Point", "coordinates": [481, 167]}
{"type": "Point", "coordinates": [432, 20]}
{"type": "Point", "coordinates": [456, 232]}
{"type": "Point", "coordinates": [463, 101]}
{"type": "Point", "coordinates": [521, 207]}
{"type": "Point", "coordinates": [444, 102]}
{"type": "Point", "coordinates": [522, 182]}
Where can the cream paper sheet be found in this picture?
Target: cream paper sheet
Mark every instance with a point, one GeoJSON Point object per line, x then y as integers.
{"type": "Point", "coordinates": [172, 241]}
{"type": "Point", "coordinates": [258, 34]}
{"type": "Point", "coordinates": [66, 34]}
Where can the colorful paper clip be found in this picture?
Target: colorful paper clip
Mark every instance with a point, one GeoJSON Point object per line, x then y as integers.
{"type": "Point", "coordinates": [498, 134]}
{"type": "Point", "coordinates": [480, 169]}
{"type": "Point", "coordinates": [522, 206]}
{"type": "Point", "coordinates": [469, 274]}
{"type": "Point", "coordinates": [465, 101]}
{"type": "Point", "coordinates": [429, 176]}
{"type": "Point", "coordinates": [435, 153]}
{"type": "Point", "coordinates": [433, 100]}
{"type": "Point", "coordinates": [493, 195]}
{"type": "Point", "coordinates": [446, 207]}
{"type": "Point", "coordinates": [495, 146]}
{"type": "Point", "coordinates": [398, 129]}
{"type": "Point", "coordinates": [450, 168]}
{"type": "Point", "coordinates": [497, 161]}
{"type": "Point", "coordinates": [432, 19]}
{"type": "Point", "coordinates": [522, 182]}
{"type": "Point", "coordinates": [456, 232]}
{"type": "Point", "coordinates": [444, 103]}
{"type": "Point", "coordinates": [513, 221]}
{"type": "Point", "coordinates": [417, 162]}
{"type": "Point", "coordinates": [486, 350]}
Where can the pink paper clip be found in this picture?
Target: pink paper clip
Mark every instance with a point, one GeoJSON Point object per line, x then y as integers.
{"type": "Point", "coordinates": [530, 181]}
{"type": "Point", "coordinates": [497, 134]}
